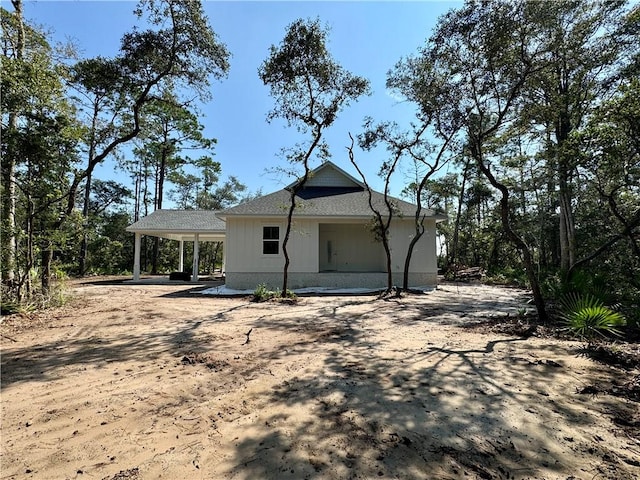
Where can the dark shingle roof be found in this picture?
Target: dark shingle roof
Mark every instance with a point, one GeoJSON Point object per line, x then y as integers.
{"type": "Point", "coordinates": [322, 202]}
{"type": "Point", "coordinates": [330, 192]}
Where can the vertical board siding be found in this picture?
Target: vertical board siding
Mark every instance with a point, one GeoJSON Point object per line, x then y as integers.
{"type": "Point", "coordinates": [329, 177]}
{"type": "Point", "coordinates": [245, 234]}
{"type": "Point", "coordinates": [353, 247]}
{"type": "Point", "coordinates": [423, 259]}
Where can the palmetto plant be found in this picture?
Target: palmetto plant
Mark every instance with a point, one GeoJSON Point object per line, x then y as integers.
{"type": "Point", "coordinates": [587, 316]}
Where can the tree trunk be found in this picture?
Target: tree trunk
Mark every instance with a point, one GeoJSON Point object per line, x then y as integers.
{"type": "Point", "coordinates": [46, 257]}
{"type": "Point", "coordinates": [381, 227]}
{"type": "Point", "coordinates": [154, 255]}
{"type": "Point", "coordinates": [82, 261]}
{"type": "Point", "coordinates": [159, 194]}
{"type": "Point", "coordinates": [387, 251]}
{"type": "Point", "coordinates": [567, 229]}
{"type": "Point", "coordinates": [419, 222]}
{"type": "Point", "coordinates": [520, 244]}
{"type": "Point", "coordinates": [412, 244]}
{"type": "Point", "coordinates": [9, 243]}
{"type": "Point", "coordinates": [285, 240]}
{"type": "Point", "coordinates": [456, 228]}
{"type": "Point", "coordinates": [563, 129]}
{"type": "Point", "coordinates": [216, 250]}
{"type": "Point", "coordinates": [87, 191]}
{"type": "Point", "coordinates": [30, 258]}
{"type": "Point", "coordinates": [138, 193]}
{"type": "Point", "coordinates": [292, 206]}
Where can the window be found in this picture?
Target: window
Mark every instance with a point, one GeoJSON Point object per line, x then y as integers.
{"type": "Point", "coordinates": [270, 240]}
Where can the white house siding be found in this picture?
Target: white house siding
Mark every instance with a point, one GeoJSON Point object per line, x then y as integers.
{"type": "Point", "coordinates": [423, 259]}
{"type": "Point", "coordinates": [246, 266]}
{"type": "Point", "coordinates": [245, 234]}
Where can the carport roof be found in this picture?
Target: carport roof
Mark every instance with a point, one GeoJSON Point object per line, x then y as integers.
{"type": "Point", "coordinates": [181, 225]}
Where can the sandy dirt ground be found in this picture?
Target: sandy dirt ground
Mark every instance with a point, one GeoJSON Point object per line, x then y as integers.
{"type": "Point", "coordinates": [147, 382]}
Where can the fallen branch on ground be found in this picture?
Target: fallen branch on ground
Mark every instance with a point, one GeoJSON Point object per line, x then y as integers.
{"type": "Point", "coordinates": [247, 334]}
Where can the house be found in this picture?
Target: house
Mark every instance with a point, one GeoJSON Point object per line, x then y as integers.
{"type": "Point", "coordinates": [331, 242]}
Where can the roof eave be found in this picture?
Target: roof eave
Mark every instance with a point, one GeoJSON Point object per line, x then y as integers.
{"type": "Point", "coordinates": [437, 218]}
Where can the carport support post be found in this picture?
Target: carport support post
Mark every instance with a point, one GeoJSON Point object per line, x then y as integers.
{"type": "Point", "coordinates": [136, 256]}
{"type": "Point", "coordinates": [223, 267]}
{"type": "Point", "coordinates": [181, 261]}
{"type": "Point", "coordinates": [196, 259]}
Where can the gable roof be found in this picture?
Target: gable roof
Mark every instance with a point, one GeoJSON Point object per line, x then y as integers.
{"type": "Point", "coordinates": [181, 225]}
{"type": "Point", "coordinates": [328, 174]}
{"type": "Point", "coordinates": [330, 192]}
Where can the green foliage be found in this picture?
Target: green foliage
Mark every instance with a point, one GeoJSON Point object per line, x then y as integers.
{"type": "Point", "coordinates": [581, 282]}
{"type": "Point", "coordinates": [558, 138]}
{"type": "Point", "coordinates": [170, 128]}
{"type": "Point", "coordinates": [181, 50]}
{"type": "Point", "coordinates": [11, 302]}
{"type": "Point", "coordinates": [603, 294]}
{"type": "Point", "coordinates": [587, 316]}
{"type": "Point", "coordinates": [53, 137]}
{"type": "Point", "coordinates": [108, 257]}
{"type": "Point", "coordinates": [262, 293]}
{"type": "Point", "coordinates": [303, 77]}
{"type": "Point", "coordinates": [570, 126]}
{"type": "Point", "coordinates": [508, 275]}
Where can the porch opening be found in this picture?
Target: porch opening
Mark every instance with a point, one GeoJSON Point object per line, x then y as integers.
{"type": "Point", "coordinates": [349, 247]}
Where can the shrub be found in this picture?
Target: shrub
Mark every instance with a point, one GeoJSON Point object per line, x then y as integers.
{"type": "Point", "coordinates": [262, 294]}
{"type": "Point", "coordinates": [587, 316]}
{"type": "Point", "coordinates": [11, 303]}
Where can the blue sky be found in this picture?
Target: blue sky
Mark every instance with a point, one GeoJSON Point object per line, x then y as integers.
{"type": "Point", "coordinates": [366, 38]}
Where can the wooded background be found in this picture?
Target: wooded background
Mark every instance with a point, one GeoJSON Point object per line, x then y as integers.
{"type": "Point", "coordinates": [534, 105]}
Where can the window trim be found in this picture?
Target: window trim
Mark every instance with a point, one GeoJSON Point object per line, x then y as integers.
{"type": "Point", "coordinates": [270, 240]}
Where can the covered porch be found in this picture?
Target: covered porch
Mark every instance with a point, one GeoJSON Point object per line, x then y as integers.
{"type": "Point", "coordinates": [349, 248]}
{"type": "Point", "coordinates": [183, 226]}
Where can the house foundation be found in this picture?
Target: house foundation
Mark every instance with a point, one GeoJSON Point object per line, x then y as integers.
{"type": "Point", "coordinates": [372, 280]}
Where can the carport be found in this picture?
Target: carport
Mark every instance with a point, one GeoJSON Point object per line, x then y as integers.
{"type": "Point", "coordinates": [181, 225]}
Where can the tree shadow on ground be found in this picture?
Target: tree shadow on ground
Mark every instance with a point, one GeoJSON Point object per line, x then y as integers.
{"type": "Point", "coordinates": [48, 361]}
{"type": "Point", "coordinates": [375, 410]}
{"type": "Point", "coordinates": [368, 407]}
{"type": "Point", "coordinates": [435, 412]}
